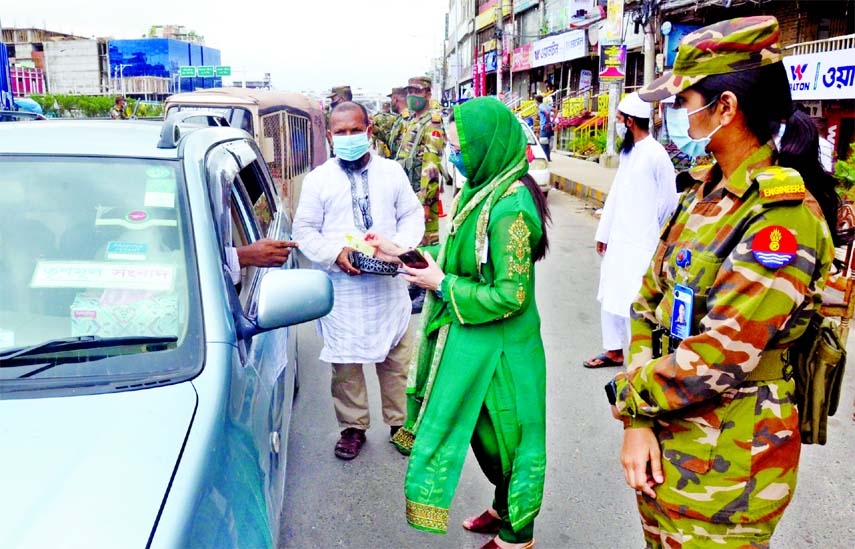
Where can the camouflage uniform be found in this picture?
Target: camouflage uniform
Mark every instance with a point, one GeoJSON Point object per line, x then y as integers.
{"type": "Point", "coordinates": [422, 162]}
{"type": "Point", "coordinates": [383, 122]}
{"type": "Point", "coordinates": [345, 94]}
{"type": "Point", "coordinates": [396, 133]}
{"type": "Point", "coordinates": [755, 251]}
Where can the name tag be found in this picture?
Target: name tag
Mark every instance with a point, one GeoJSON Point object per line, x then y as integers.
{"type": "Point", "coordinates": [681, 317]}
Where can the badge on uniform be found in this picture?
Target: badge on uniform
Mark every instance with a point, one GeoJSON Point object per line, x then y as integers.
{"type": "Point", "coordinates": [684, 257]}
{"type": "Point", "coordinates": [774, 247]}
{"type": "Point", "coordinates": [681, 315]}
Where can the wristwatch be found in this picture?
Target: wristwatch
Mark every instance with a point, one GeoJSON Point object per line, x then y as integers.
{"type": "Point", "coordinates": [611, 392]}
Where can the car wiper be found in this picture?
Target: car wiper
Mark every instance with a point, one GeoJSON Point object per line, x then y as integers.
{"type": "Point", "coordinates": [80, 343]}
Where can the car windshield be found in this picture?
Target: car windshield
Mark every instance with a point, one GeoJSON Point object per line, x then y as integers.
{"type": "Point", "coordinates": [93, 249]}
{"type": "Point", "coordinates": [529, 133]}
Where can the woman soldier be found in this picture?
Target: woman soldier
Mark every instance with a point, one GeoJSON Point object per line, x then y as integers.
{"type": "Point", "coordinates": [711, 441]}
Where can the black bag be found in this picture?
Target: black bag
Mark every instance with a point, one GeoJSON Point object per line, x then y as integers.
{"type": "Point", "coordinates": [371, 265]}
{"type": "Point", "coordinates": [817, 360]}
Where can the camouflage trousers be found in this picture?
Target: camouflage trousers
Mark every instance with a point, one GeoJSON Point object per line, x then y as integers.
{"type": "Point", "coordinates": [668, 530]}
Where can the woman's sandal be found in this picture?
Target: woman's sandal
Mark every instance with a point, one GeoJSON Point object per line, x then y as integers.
{"type": "Point", "coordinates": [493, 545]}
{"type": "Point", "coordinates": [485, 523]}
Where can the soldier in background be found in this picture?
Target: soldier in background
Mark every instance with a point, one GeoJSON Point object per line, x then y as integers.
{"type": "Point", "coordinates": [420, 153]}
{"type": "Point", "coordinates": [338, 94]}
{"type": "Point", "coordinates": [383, 122]}
{"type": "Point", "coordinates": [399, 107]}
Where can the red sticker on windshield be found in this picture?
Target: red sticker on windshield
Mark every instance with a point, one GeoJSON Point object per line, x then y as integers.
{"type": "Point", "coordinates": [774, 247]}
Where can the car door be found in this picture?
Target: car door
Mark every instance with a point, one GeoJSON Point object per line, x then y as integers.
{"type": "Point", "coordinates": [272, 354]}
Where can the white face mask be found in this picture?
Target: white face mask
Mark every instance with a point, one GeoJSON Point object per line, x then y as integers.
{"type": "Point", "coordinates": [620, 128]}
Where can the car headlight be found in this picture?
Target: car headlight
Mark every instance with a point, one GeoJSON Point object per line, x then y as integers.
{"type": "Point", "coordinates": [539, 164]}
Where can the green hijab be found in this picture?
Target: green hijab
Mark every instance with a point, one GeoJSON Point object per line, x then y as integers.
{"type": "Point", "coordinates": [491, 141]}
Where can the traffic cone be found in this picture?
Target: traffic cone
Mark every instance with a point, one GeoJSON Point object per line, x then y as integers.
{"type": "Point", "coordinates": [441, 211]}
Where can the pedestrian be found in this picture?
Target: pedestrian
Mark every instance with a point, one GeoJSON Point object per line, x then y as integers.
{"type": "Point", "coordinates": [642, 198]}
{"type": "Point", "coordinates": [340, 200]}
{"type": "Point", "coordinates": [480, 369]}
{"type": "Point", "coordinates": [118, 111]}
{"type": "Point", "coordinates": [420, 153]}
{"type": "Point", "coordinates": [544, 113]}
{"type": "Point", "coordinates": [711, 441]}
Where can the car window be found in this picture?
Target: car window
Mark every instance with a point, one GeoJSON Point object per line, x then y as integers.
{"type": "Point", "coordinates": [93, 247]}
{"type": "Point", "coordinates": [259, 187]}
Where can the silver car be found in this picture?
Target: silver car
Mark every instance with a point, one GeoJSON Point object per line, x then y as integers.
{"type": "Point", "coordinates": [144, 396]}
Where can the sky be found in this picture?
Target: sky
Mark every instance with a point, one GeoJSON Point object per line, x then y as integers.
{"type": "Point", "coordinates": [308, 45]}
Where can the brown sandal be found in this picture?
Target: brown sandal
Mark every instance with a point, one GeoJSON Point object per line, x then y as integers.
{"type": "Point", "coordinates": [485, 523]}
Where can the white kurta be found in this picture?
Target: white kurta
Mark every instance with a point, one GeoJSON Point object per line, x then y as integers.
{"type": "Point", "coordinates": [371, 312]}
{"type": "Point", "coordinates": [642, 198]}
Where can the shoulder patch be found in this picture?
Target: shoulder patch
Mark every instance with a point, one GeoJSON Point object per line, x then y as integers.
{"type": "Point", "coordinates": [436, 134]}
{"type": "Point", "coordinates": [774, 247]}
{"type": "Point", "coordinates": [436, 116]}
{"type": "Point", "coordinates": [779, 184]}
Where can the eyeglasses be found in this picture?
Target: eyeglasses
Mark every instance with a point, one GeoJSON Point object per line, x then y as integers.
{"type": "Point", "coordinates": [367, 220]}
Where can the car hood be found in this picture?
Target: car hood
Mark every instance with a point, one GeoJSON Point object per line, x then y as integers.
{"type": "Point", "coordinates": [89, 471]}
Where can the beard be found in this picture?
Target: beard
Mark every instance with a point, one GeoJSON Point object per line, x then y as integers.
{"type": "Point", "coordinates": [353, 165]}
{"type": "Point", "coordinates": [628, 142]}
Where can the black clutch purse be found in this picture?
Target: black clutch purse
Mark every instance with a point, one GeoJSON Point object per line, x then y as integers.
{"type": "Point", "coordinates": [371, 265]}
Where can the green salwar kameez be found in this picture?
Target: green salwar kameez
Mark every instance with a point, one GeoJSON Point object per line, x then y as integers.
{"type": "Point", "coordinates": [479, 373]}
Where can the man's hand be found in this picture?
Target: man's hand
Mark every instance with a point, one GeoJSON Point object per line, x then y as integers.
{"type": "Point", "coordinates": [601, 248]}
{"type": "Point", "coordinates": [265, 253]}
{"type": "Point", "coordinates": [641, 460]}
{"type": "Point", "coordinates": [343, 261]}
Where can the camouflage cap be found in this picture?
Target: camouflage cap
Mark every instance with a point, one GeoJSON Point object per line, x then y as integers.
{"type": "Point", "coordinates": [341, 91]}
{"type": "Point", "coordinates": [421, 82]}
{"type": "Point", "coordinates": [398, 91]}
{"type": "Point", "coordinates": [729, 46]}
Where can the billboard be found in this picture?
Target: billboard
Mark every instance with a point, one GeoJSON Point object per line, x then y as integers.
{"type": "Point", "coordinates": [826, 75]}
{"type": "Point", "coordinates": [6, 102]}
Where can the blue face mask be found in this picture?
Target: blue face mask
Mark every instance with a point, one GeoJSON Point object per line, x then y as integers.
{"type": "Point", "coordinates": [351, 147]}
{"type": "Point", "coordinates": [677, 121]}
{"type": "Point", "coordinates": [456, 158]}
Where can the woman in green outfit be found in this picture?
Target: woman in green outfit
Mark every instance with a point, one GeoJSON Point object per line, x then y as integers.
{"type": "Point", "coordinates": [479, 372]}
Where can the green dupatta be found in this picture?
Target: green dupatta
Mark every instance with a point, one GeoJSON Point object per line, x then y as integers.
{"type": "Point", "coordinates": [493, 146]}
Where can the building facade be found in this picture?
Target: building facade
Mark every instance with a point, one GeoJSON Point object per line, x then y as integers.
{"type": "Point", "coordinates": [154, 64]}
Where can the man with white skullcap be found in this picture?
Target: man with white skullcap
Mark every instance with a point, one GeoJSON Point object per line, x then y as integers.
{"type": "Point", "coordinates": [642, 198]}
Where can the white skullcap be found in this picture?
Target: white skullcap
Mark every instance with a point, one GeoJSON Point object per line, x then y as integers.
{"type": "Point", "coordinates": [633, 105]}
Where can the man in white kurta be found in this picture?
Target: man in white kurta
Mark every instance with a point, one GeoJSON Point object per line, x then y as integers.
{"type": "Point", "coordinates": [369, 319]}
{"type": "Point", "coordinates": [642, 198]}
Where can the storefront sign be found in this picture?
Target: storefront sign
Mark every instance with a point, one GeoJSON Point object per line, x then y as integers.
{"type": "Point", "coordinates": [827, 75]}
{"type": "Point", "coordinates": [585, 78]}
{"type": "Point", "coordinates": [672, 42]}
{"type": "Point", "coordinates": [613, 27]}
{"type": "Point", "coordinates": [522, 58]}
{"type": "Point", "coordinates": [612, 62]}
{"type": "Point", "coordinates": [555, 49]}
{"type": "Point", "coordinates": [490, 61]}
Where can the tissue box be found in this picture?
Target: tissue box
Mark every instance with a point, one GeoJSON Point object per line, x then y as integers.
{"type": "Point", "coordinates": [129, 314]}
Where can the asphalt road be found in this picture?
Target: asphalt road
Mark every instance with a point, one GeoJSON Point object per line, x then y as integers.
{"type": "Point", "coordinates": [360, 504]}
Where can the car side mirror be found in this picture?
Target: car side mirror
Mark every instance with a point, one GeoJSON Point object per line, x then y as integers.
{"type": "Point", "coordinates": [292, 296]}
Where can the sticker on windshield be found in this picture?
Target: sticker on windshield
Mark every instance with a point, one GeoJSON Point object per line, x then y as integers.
{"type": "Point", "coordinates": [158, 172]}
{"type": "Point", "coordinates": [97, 274]}
{"type": "Point", "coordinates": [134, 219]}
{"type": "Point", "coordinates": [160, 193]}
{"type": "Point", "coordinates": [126, 251]}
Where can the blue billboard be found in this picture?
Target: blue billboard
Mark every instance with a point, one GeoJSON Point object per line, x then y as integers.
{"type": "Point", "coordinates": [5, 80]}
